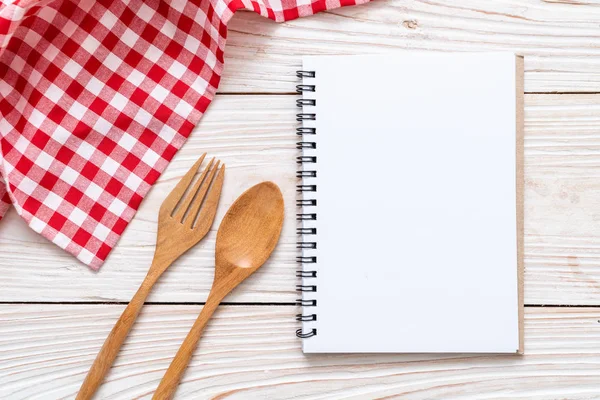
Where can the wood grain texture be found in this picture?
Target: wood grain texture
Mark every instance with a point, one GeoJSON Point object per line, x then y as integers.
{"type": "Point", "coordinates": [560, 39]}
{"type": "Point", "coordinates": [252, 353]}
{"type": "Point", "coordinates": [254, 136]}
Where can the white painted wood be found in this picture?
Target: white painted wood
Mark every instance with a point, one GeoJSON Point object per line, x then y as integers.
{"type": "Point", "coordinates": [252, 353]}
{"type": "Point", "coordinates": [254, 136]}
{"type": "Point", "coordinates": [560, 39]}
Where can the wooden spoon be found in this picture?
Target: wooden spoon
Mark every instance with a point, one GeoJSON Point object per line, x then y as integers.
{"type": "Point", "coordinates": [245, 240]}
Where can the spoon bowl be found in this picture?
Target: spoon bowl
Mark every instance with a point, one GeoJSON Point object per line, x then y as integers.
{"type": "Point", "coordinates": [250, 230]}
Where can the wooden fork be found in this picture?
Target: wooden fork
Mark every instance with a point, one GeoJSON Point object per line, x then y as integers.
{"type": "Point", "coordinates": [180, 226]}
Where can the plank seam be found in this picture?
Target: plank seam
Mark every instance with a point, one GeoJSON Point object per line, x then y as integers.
{"type": "Point", "coordinates": [155, 303]}
{"type": "Point", "coordinates": [295, 94]}
{"type": "Point", "coordinates": [192, 303]}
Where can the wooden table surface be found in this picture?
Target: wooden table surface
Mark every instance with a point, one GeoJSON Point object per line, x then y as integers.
{"type": "Point", "coordinates": [55, 313]}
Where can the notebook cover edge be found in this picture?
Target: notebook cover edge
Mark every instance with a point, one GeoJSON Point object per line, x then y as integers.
{"type": "Point", "coordinates": [520, 181]}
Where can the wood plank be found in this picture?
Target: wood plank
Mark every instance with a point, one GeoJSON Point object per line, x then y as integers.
{"type": "Point", "coordinates": [252, 353]}
{"type": "Point", "coordinates": [254, 136]}
{"type": "Point", "coordinates": [562, 195]}
{"type": "Point", "coordinates": [559, 39]}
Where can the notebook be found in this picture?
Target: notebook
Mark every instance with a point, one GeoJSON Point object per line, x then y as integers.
{"type": "Point", "coordinates": [410, 206]}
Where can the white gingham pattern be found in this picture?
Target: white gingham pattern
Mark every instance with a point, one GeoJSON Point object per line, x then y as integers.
{"type": "Point", "coordinates": [96, 96]}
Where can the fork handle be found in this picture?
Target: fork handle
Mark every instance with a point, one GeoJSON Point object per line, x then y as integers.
{"type": "Point", "coordinates": [114, 341]}
{"type": "Point", "coordinates": [168, 385]}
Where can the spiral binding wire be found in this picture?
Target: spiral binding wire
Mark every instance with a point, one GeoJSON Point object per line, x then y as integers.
{"type": "Point", "coordinates": [305, 243]}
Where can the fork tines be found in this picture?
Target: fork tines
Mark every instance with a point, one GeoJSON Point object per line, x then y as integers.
{"type": "Point", "coordinates": [187, 202]}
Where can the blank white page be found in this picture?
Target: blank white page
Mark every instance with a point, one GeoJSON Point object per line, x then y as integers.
{"type": "Point", "coordinates": [416, 203]}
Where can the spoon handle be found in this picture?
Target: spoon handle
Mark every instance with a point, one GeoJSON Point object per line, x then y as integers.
{"type": "Point", "coordinates": [168, 385]}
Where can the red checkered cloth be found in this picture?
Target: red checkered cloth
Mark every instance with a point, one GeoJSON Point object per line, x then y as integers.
{"type": "Point", "coordinates": [97, 96]}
